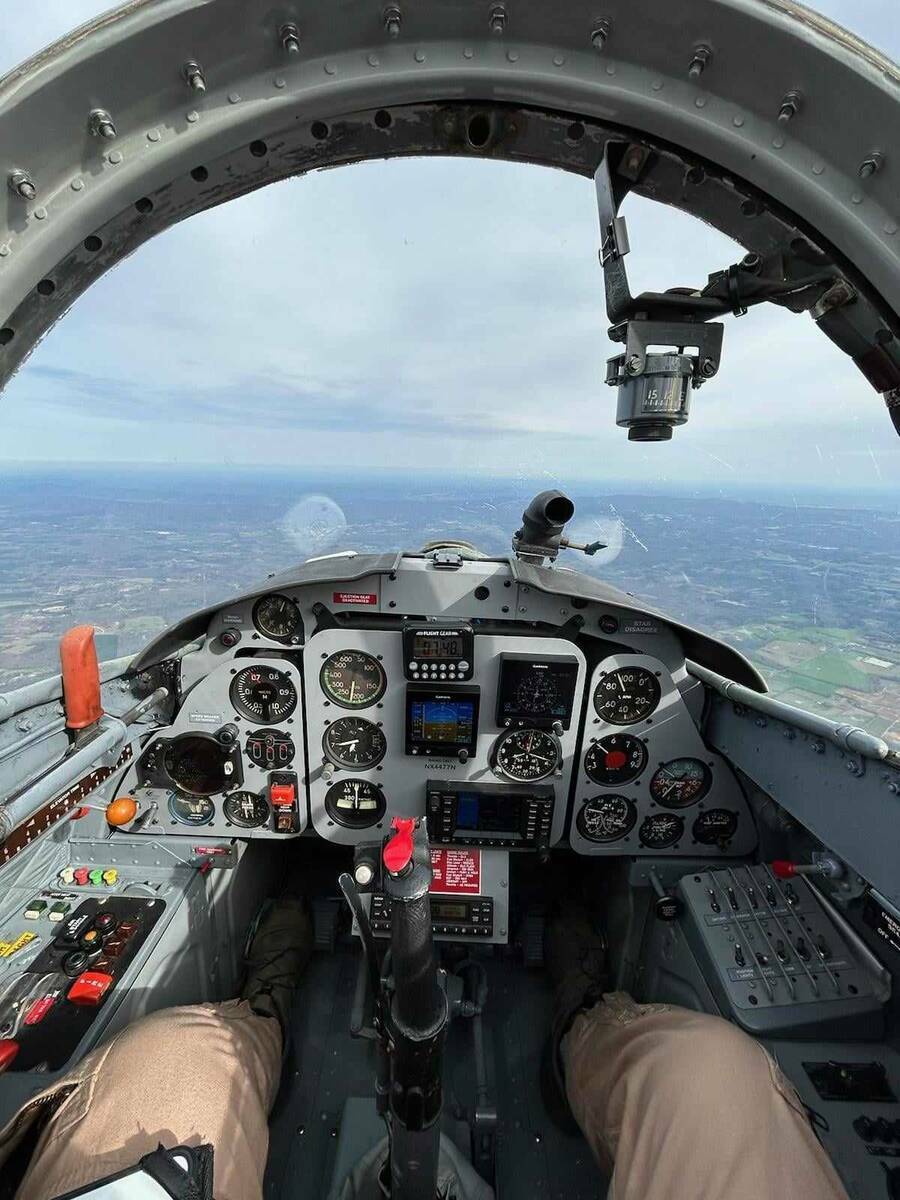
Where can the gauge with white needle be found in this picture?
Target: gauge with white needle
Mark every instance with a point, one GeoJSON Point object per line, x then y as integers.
{"type": "Point", "coordinates": [530, 754]}
{"type": "Point", "coordinates": [355, 803]}
{"type": "Point", "coordinates": [626, 695]}
{"type": "Point", "coordinates": [352, 679]}
{"type": "Point", "coordinates": [354, 744]}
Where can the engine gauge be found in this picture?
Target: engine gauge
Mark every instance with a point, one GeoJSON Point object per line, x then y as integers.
{"type": "Point", "coordinates": [606, 818]}
{"type": "Point", "coordinates": [527, 754]}
{"type": "Point", "coordinates": [277, 617]}
{"type": "Point", "coordinates": [615, 760]}
{"type": "Point", "coordinates": [199, 765]}
{"type": "Point", "coordinates": [191, 810]}
{"type": "Point", "coordinates": [352, 679]}
{"type": "Point", "coordinates": [263, 694]}
{"type": "Point", "coordinates": [680, 782]}
{"type": "Point", "coordinates": [355, 803]}
{"type": "Point", "coordinates": [246, 809]}
{"type": "Point", "coordinates": [270, 749]}
{"type": "Point", "coordinates": [715, 827]}
{"type": "Point", "coordinates": [626, 695]}
{"type": "Point", "coordinates": [661, 830]}
{"type": "Point", "coordinates": [354, 744]}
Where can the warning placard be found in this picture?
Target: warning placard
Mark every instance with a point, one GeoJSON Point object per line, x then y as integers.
{"type": "Point", "coordinates": [354, 598]}
{"type": "Point", "coordinates": [456, 872]}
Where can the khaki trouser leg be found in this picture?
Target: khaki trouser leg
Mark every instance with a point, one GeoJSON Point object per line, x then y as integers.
{"type": "Point", "coordinates": [679, 1105]}
{"type": "Point", "coordinates": [184, 1076]}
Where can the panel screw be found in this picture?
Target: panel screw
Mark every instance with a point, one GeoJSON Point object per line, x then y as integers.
{"type": "Point", "coordinates": [817, 747]}
{"type": "Point", "coordinates": [702, 55]}
{"type": "Point", "coordinates": [870, 165]}
{"type": "Point", "coordinates": [600, 34]}
{"type": "Point", "coordinates": [102, 124]}
{"type": "Point", "coordinates": [707, 368]}
{"type": "Point", "coordinates": [290, 38]}
{"type": "Point", "coordinates": [22, 184]}
{"type": "Point", "coordinates": [633, 366]}
{"type": "Point", "coordinates": [497, 19]}
{"type": "Point", "coordinates": [392, 20]}
{"type": "Point", "coordinates": [193, 73]}
{"type": "Point", "coordinates": [790, 106]}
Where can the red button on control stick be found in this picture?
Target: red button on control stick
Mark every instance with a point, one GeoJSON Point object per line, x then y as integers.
{"type": "Point", "coordinates": [90, 987]}
{"type": "Point", "coordinates": [399, 850]}
{"type": "Point", "coordinates": [8, 1051]}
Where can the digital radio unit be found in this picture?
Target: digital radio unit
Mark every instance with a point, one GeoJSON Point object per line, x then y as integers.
{"type": "Point", "coordinates": [451, 916]}
{"type": "Point", "coordinates": [442, 653]}
{"type": "Point", "coordinates": [488, 814]}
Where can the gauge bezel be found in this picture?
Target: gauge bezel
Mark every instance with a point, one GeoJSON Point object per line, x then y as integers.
{"type": "Point", "coordinates": [236, 821]}
{"type": "Point", "coordinates": [636, 668]}
{"type": "Point", "coordinates": [180, 796]}
{"type": "Point", "coordinates": [343, 764]}
{"type": "Point", "coordinates": [229, 755]}
{"type": "Point", "coordinates": [344, 704]}
{"type": "Point", "coordinates": [515, 668]}
{"type": "Point", "coordinates": [509, 735]}
{"type": "Point", "coordinates": [725, 839]}
{"type": "Point", "coordinates": [606, 797]}
{"type": "Point", "coordinates": [335, 814]}
{"type": "Point", "coordinates": [705, 789]}
{"type": "Point", "coordinates": [248, 713]}
{"type": "Point", "coordinates": [625, 779]}
{"type": "Point", "coordinates": [284, 638]}
{"type": "Point", "coordinates": [661, 845]}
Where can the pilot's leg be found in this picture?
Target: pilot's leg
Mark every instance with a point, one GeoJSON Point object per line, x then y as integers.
{"type": "Point", "coordinates": [201, 1074]}
{"type": "Point", "coordinates": [680, 1105]}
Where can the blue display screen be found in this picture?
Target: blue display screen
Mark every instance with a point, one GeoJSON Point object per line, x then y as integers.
{"type": "Point", "coordinates": [489, 812]}
{"type": "Point", "coordinates": [448, 722]}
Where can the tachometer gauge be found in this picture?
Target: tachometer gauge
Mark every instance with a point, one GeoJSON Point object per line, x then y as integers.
{"type": "Point", "coordinates": [715, 827]}
{"type": "Point", "coordinates": [263, 694]}
{"type": "Point", "coordinates": [615, 760]}
{"type": "Point", "coordinates": [606, 818]}
{"type": "Point", "coordinates": [191, 810]}
{"type": "Point", "coordinates": [661, 830]}
{"type": "Point", "coordinates": [277, 617]}
{"type": "Point", "coordinates": [355, 803]}
{"type": "Point", "coordinates": [626, 695]}
{"type": "Point", "coordinates": [354, 744]}
{"type": "Point", "coordinates": [680, 782]}
{"type": "Point", "coordinates": [246, 809]}
{"type": "Point", "coordinates": [199, 765]}
{"type": "Point", "coordinates": [528, 754]}
{"type": "Point", "coordinates": [352, 679]}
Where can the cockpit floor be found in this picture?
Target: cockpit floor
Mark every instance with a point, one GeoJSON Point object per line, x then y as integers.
{"type": "Point", "coordinates": [326, 1066]}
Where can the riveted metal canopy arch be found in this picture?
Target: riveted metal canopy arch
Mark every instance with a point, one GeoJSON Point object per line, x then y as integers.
{"type": "Point", "coordinates": [532, 72]}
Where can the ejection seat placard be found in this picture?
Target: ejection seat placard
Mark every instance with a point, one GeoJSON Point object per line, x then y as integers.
{"type": "Point", "coordinates": [456, 872]}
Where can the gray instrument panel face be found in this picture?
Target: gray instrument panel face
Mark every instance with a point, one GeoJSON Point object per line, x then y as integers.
{"type": "Point", "coordinates": [403, 777]}
{"type": "Point", "coordinates": [635, 822]}
{"type": "Point", "coordinates": [205, 710]}
{"type": "Point", "coordinates": [778, 960]}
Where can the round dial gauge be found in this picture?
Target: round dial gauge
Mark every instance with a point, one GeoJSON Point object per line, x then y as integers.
{"type": "Point", "coordinates": [356, 803]}
{"type": "Point", "coordinates": [198, 765]}
{"type": "Point", "coordinates": [615, 760]}
{"type": "Point", "coordinates": [661, 830]}
{"type": "Point", "coordinates": [352, 679]}
{"type": "Point", "coordinates": [626, 695]}
{"type": "Point", "coordinates": [606, 818]}
{"type": "Point", "coordinates": [715, 827]}
{"type": "Point", "coordinates": [191, 810]}
{"type": "Point", "coordinates": [537, 693]}
{"type": "Point", "coordinates": [354, 744]}
{"type": "Point", "coordinates": [680, 782]}
{"type": "Point", "coordinates": [277, 617]}
{"type": "Point", "coordinates": [263, 694]}
{"type": "Point", "coordinates": [246, 809]}
{"type": "Point", "coordinates": [526, 754]}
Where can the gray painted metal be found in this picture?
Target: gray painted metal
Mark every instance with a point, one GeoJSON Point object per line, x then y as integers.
{"type": "Point", "coordinates": [101, 132]}
{"type": "Point", "coordinates": [848, 737]}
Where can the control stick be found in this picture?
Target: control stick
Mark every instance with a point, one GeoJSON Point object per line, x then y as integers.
{"type": "Point", "coordinates": [416, 1020]}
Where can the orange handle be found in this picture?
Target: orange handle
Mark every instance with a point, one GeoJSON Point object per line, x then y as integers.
{"type": "Point", "coordinates": [81, 677]}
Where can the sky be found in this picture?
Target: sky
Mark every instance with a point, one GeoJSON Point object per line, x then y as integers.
{"type": "Point", "coordinates": [439, 314]}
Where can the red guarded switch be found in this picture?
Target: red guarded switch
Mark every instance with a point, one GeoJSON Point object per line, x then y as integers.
{"type": "Point", "coordinates": [39, 1009]}
{"type": "Point", "coordinates": [399, 850]}
{"type": "Point", "coordinates": [9, 1048]}
{"type": "Point", "coordinates": [90, 987]}
{"type": "Point", "coordinates": [283, 795]}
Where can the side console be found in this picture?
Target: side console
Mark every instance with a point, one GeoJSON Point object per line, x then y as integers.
{"type": "Point", "coordinates": [775, 958]}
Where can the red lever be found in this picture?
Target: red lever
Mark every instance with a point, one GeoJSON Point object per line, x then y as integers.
{"type": "Point", "coordinates": [782, 869]}
{"type": "Point", "coordinates": [8, 1051]}
{"type": "Point", "coordinates": [399, 850]}
{"type": "Point", "coordinates": [81, 677]}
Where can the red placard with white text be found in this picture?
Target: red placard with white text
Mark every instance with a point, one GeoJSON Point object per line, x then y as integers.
{"type": "Point", "coordinates": [456, 872]}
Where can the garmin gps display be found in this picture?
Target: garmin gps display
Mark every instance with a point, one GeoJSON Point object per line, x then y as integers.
{"type": "Point", "coordinates": [440, 721]}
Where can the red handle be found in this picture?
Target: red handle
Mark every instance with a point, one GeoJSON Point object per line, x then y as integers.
{"type": "Point", "coordinates": [782, 869]}
{"type": "Point", "coordinates": [399, 850]}
{"type": "Point", "coordinates": [81, 677]}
